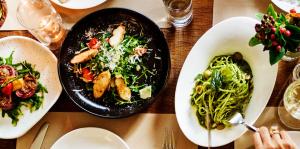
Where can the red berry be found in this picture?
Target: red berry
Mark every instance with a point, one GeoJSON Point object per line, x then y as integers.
{"type": "Point", "coordinates": [273, 29]}
{"type": "Point", "coordinates": [274, 43]}
{"type": "Point", "coordinates": [273, 36]}
{"type": "Point", "coordinates": [278, 48]}
{"type": "Point", "coordinates": [282, 30]}
{"type": "Point", "coordinates": [287, 33]}
{"type": "Point", "coordinates": [7, 90]}
{"type": "Point", "coordinates": [293, 11]}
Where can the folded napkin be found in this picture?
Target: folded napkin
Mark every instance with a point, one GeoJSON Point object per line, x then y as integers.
{"type": "Point", "coordinates": [139, 131]}
{"type": "Point", "coordinates": [154, 9]}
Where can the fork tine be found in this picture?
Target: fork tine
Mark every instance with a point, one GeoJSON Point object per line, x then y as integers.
{"type": "Point", "coordinates": [169, 140]}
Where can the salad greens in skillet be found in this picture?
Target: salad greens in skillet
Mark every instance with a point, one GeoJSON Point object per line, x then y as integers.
{"type": "Point", "coordinates": [19, 88]}
{"type": "Point", "coordinates": [117, 67]}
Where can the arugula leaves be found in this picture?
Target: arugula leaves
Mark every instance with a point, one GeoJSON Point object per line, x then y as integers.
{"type": "Point", "coordinates": [33, 103]}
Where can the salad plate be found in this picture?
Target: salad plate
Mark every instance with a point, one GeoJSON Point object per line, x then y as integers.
{"type": "Point", "coordinates": [287, 5]}
{"type": "Point", "coordinates": [45, 63]}
{"type": "Point", "coordinates": [225, 38]}
{"type": "Point", "coordinates": [78, 4]}
{"type": "Point", "coordinates": [124, 49]}
{"type": "Point", "coordinates": [90, 137]}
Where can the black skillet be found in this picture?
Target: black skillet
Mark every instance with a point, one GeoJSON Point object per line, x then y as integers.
{"type": "Point", "coordinates": [97, 21]}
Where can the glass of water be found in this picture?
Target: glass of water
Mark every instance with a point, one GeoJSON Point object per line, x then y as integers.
{"type": "Point", "coordinates": [41, 20]}
{"type": "Point", "coordinates": [180, 12]}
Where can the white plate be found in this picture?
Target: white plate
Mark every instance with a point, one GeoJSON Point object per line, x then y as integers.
{"type": "Point", "coordinates": [286, 5]}
{"type": "Point", "coordinates": [79, 4]}
{"type": "Point", "coordinates": [46, 63]}
{"type": "Point", "coordinates": [90, 137]}
{"type": "Point", "coordinates": [227, 37]}
{"type": "Point", "coordinates": [295, 135]}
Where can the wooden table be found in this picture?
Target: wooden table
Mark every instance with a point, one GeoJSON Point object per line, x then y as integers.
{"type": "Point", "coordinates": [180, 42]}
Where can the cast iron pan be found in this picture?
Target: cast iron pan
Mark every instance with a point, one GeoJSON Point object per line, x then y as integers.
{"type": "Point", "coordinates": [97, 21]}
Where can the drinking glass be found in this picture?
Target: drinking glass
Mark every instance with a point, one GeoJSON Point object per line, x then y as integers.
{"type": "Point", "coordinates": [289, 107]}
{"type": "Point", "coordinates": [180, 12]}
{"type": "Point", "coordinates": [41, 20]}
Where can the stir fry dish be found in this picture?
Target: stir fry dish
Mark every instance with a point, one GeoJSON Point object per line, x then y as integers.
{"type": "Point", "coordinates": [19, 87]}
{"type": "Point", "coordinates": [223, 89]}
{"type": "Point", "coordinates": [116, 67]}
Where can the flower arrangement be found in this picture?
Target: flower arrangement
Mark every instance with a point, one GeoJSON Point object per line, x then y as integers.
{"type": "Point", "coordinates": [278, 33]}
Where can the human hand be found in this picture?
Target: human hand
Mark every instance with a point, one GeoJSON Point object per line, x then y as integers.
{"type": "Point", "coordinates": [263, 139]}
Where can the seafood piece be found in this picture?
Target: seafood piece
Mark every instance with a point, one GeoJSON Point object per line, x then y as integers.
{"type": "Point", "coordinates": [6, 102]}
{"type": "Point", "coordinates": [6, 72]}
{"type": "Point", "coordinates": [118, 36]}
{"type": "Point", "coordinates": [29, 87]}
{"type": "Point", "coordinates": [123, 91]}
{"type": "Point", "coordinates": [84, 56]}
{"type": "Point", "coordinates": [101, 83]}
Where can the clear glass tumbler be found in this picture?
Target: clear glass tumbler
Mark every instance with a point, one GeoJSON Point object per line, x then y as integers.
{"type": "Point", "coordinates": [180, 12]}
{"type": "Point", "coordinates": [41, 20]}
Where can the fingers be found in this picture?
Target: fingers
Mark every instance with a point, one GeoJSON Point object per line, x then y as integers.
{"type": "Point", "coordinates": [287, 141]}
{"type": "Point", "coordinates": [277, 139]}
{"type": "Point", "coordinates": [265, 135]}
{"type": "Point", "coordinates": [257, 141]}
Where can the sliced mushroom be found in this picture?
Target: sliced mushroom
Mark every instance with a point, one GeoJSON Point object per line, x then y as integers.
{"type": "Point", "coordinates": [123, 91]}
{"type": "Point", "coordinates": [101, 83]}
{"type": "Point", "coordinates": [118, 36]}
{"type": "Point", "coordinates": [84, 56]}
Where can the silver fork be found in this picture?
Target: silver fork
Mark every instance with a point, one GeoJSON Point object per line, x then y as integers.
{"type": "Point", "coordinates": [169, 140]}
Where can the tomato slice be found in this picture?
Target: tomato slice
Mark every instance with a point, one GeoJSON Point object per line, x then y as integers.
{"type": "Point", "coordinates": [87, 74]}
{"type": "Point", "coordinates": [7, 90]}
{"type": "Point", "coordinates": [92, 43]}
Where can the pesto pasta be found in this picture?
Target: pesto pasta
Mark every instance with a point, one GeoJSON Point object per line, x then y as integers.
{"type": "Point", "coordinates": [223, 89]}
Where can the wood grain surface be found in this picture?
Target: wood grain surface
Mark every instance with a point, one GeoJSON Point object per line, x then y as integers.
{"type": "Point", "coordinates": [180, 42]}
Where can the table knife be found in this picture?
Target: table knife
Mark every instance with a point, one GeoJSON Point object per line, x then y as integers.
{"type": "Point", "coordinates": [39, 138]}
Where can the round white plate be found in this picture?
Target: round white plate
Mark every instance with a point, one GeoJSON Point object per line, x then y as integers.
{"type": "Point", "coordinates": [287, 5]}
{"type": "Point", "coordinates": [79, 4]}
{"type": "Point", "coordinates": [227, 37]}
{"type": "Point", "coordinates": [46, 63]}
{"type": "Point", "coordinates": [91, 138]}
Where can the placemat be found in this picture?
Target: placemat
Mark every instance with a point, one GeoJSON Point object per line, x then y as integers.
{"type": "Point", "coordinates": [225, 9]}
{"type": "Point", "coordinates": [156, 12]}
{"type": "Point", "coordinates": [141, 130]}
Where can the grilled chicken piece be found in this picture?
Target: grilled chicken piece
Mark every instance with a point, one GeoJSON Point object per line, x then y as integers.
{"type": "Point", "coordinates": [101, 83]}
{"type": "Point", "coordinates": [123, 91]}
{"type": "Point", "coordinates": [84, 56]}
{"type": "Point", "coordinates": [140, 51]}
{"type": "Point", "coordinates": [118, 36]}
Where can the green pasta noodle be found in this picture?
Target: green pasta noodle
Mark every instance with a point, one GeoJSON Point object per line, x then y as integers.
{"type": "Point", "coordinates": [223, 89]}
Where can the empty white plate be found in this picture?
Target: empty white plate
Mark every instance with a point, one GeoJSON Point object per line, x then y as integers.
{"type": "Point", "coordinates": [46, 63]}
{"type": "Point", "coordinates": [79, 4]}
{"type": "Point", "coordinates": [287, 5]}
{"type": "Point", "coordinates": [91, 138]}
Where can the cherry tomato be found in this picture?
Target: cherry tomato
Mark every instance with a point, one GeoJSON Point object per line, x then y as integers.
{"type": "Point", "coordinates": [93, 42]}
{"type": "Point", "coordinates": [293, 11]}
{"type": "Point", "coordinates": [87, 74]}
{"type": "Point", "coordinates": [7, 90]}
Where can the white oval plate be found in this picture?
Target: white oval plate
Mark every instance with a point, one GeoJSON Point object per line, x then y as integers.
{"type": "Point", "coordinates": [46, 63]}
{"type": "Point", "coordinates": [79, 4]}
{"type": "Point", "coordinates": [287, 6]}
{"type": "Point", "coordinates": [227, 37]}
{"type": "Point", "coordinates": [90, 137]}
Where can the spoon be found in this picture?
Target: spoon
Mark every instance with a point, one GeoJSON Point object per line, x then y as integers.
{"type": "Point", "coordinates": [238, 119]}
